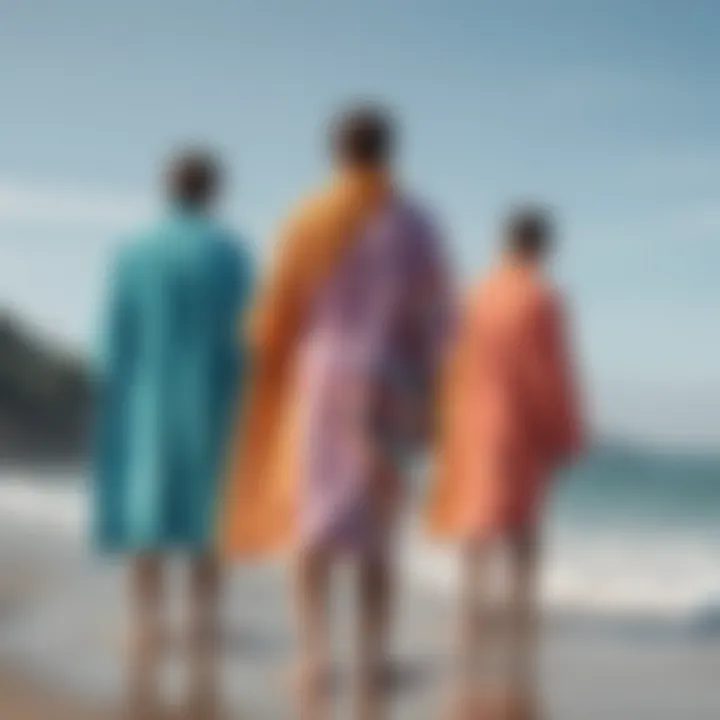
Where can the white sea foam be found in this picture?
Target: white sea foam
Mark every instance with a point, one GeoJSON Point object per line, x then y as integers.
{"type": "Point", "coordinates": [664, 575]}
{"type": "Point", "coordinates": [56, 507]}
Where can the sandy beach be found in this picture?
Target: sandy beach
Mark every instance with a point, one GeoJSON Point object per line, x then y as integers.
{"type": "Point", "coordinates": [61, 628]}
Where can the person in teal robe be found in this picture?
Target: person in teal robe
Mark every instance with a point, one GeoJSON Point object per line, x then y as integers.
{"type": "Point", "coordinates": [169, 381]}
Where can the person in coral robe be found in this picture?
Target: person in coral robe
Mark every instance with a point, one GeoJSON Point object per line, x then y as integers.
{"type": "Point", "coordinates": [509, 421]}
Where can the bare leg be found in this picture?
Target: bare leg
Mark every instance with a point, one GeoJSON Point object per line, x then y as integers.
{"type": "Point", "coordinates": [312, 576]}
{"type": "Point", "coordinates": [472, 627]}
{"type": "Point", "coordinates": [205, 595]}
{"type": "Point", "coordinates": [375, 610]}
{"type": "Point", "coordinates": [146, 593]}
{"type": "Point", "coordinates": [524, 612]}
{"type": "Point", "coordinates": [375, 591]}
{"type": "Point", "coordinates": [469, 627]}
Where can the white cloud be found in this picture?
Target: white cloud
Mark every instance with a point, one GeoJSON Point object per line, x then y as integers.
{"type": "Point", "coordinates": [55, 205]}
{"type": "Point", "coordinates": [683, 416]}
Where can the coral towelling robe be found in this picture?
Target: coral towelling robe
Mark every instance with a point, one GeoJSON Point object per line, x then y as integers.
{"type": "Point", "coordinates": [509, 412]}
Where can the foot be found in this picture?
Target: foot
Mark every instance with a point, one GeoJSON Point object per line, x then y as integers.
{"type": "Point", "coordinates": [201, 706]}
{"type": "Point", "coordinates": [312, 685]}
{"type": "Point", "coordinates": [521, 706]}
{"type": "Point", "coordinates": [463, 704]}
{"type": "Point", "coordinates": [143, 706]}
{"type": "Point", "coordinates": [312, 677]}
{"type": "Point", "coordinates": [378, 676]}
{"type": "Point", "coordinates": [508, 705]}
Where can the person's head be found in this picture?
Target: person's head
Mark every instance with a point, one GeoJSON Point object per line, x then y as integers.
{"type": "Point", "coordinates": [363, 136]}
{"type": "Point", "coordinates": [529, 234]}
{"type": "Point", "coordinates": [194, 179]}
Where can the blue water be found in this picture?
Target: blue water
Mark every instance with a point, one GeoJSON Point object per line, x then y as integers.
{"type": "Point", "coordinates": [641, 491]}
{"type": "Point", "coordinates": [637, 532]}
{"type": "Point", "coordinates": [629, 533]}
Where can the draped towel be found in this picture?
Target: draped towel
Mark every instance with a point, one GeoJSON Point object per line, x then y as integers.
{"type": "Point", "coordinates": [261, 503]}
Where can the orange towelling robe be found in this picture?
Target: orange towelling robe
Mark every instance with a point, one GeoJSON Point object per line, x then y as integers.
{"type": "Point", "coordinates": [260, 513]}
{"type": "Point", "coordinates": [509, 415]}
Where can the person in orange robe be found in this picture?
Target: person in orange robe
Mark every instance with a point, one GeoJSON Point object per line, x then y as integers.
{"type": "Point", "coordinates": [509, 419]}
{"type": "Point", "coordinates": [346, 346]}
{"type": "Point", "coordinates": [261, 510]}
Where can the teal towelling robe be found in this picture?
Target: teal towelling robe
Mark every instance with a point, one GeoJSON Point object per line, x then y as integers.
{"type": "Point", "coordinates": [170, 378]}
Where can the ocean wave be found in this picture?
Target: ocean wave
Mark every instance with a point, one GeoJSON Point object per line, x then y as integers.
{"type": "Point", "coordinates": [55, 506]}
{"type": "Point", "coordinates": [620, 576]}
{"type": "Point", "coordinates": [669, 578]}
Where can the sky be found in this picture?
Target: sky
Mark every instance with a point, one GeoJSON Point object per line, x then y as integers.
{"type": "Point", "coordinates": [607, 110]}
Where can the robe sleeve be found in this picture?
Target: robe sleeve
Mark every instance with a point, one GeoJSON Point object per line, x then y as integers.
{"type": "Point", "coordinates": [234, 288]}
{"type": "Point", "coordinates": [556, 383]}
{"type": "Point", "coordinates": [438, 301]}
{"type": "Point", "coordinates": [269, 323]}
{"type": "Point", "coordinates": [112, 375]}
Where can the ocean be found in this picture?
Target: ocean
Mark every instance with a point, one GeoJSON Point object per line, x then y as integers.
{"type": "Point", "coordinates": [630, 535]}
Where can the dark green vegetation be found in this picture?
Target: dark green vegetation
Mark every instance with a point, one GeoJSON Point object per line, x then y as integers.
{"type": "Point", "coordinates": [45, 398]}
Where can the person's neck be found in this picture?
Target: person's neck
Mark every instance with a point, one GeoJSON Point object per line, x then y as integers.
{"type": "Point", "coordinates": [516, 262]}
{"type": "Point", "coordinates": [364, 176]}
{"type": "Point", "coordinates": [184, 208]}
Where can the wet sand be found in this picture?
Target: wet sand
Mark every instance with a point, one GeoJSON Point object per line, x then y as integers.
{"type": "Point", "coordinates": [23, 697]}
{"type": "Point", "coordinates": [61, 629]}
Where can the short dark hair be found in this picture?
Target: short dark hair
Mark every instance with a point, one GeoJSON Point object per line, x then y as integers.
{"type": "Point", "coordinates": [194, 178]}
{"type": "Point", "coordinates": [529, 232]}
{"type": "Point", "coordinates": [363, 135]}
